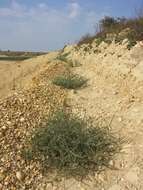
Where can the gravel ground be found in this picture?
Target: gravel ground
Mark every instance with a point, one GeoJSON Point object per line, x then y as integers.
{"type": "Point", "coordinates": [20, 114]}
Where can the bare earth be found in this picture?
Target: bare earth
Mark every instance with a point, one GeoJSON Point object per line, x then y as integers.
{"type": "Point", "coordinates": [19, 75]}
{"type": "Point", "coordinates": [114, 93]}
{"type": "Point", "coordinates": [20, 114]}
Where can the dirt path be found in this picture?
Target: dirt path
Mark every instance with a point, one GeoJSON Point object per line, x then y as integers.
{"type": "Point", "coordinates": [19, 75]}
{"type": "Point", "coordinates": [119, 97]}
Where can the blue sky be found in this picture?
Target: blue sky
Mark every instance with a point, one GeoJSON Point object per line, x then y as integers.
{"type": "Point", "coordinates": [50, 24]}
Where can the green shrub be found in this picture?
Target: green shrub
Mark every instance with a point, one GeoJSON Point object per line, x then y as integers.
{"type": "Point", "coordinates": [70, 63]}
{"type": "Point", "coordinates": [99, 41]}
{"type": "Point", "coordinates": [74, 63]}
{"type": "Point", "coordinates": [70, 81]}
{"type": "Point", "coordinates": [87, 39]}
{"type": "Point", "coordinates": [63, 57]}
{"type": "Point", "coordinates": [73, 146]}
{"type": "Point", "coordinates": [131, 44]}
{"type": "Point", "coordinates": [108, 23]}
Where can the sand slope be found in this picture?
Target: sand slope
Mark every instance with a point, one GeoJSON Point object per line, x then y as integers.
{"type": "Point", "coordinates": [18, 75]}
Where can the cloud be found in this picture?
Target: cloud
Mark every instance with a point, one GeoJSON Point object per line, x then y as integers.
{"type": "Point", "coordinates": [41, 27]}
{"type": "Point", "coordinates": [19, 10]}
{"type": "Point", "coordinates": [14, 10]}
{"type": "Point", "coordinates": [74, 10]}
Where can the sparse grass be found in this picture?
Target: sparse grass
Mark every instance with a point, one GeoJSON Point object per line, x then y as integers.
{"type": "Point", "coordinates": [87, 39]}
{"type": "Point", "coordinates": [63, 57]}
{"type": "Point", "coordinates": [74, 63]}
{"type": "Point", "coordinates": [131, 44]}
{"type": "Point", "coordinates": [72, 146]}
{"type": "Point", "coordinates": [115, 26]}
{"type": "Point", "coordinates": [70, 81]}
{"type": "Point", "coordinates": [71, 63]}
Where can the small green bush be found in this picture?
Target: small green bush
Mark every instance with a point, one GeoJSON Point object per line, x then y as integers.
{"type": "Point", "coordinates": [63, 57]}
{"type": "Point", "coordinates": [70, 81]}
{"type": "Point", "coordinates": [73, 146]}
{"type": "Point", "coordinates": [87, 39]}
{"type": "Point", "coordinates": [74, 63]}
{"type": "Point", "coordinates": [108, 23]}
{"type": "Point", "coordinates": [131, 44]}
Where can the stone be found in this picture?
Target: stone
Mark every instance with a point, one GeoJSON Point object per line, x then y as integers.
{"type": "Point", "coordinates": [1, 186]}
{"type": "Point", "coordinates": [125, 42]}
{"type": "Point", "coordinates": [3, 128]}
{"type": "Point", "coordinates": [22, 119]}
{"type": "Point", "coordinates": [120, 119]}
{"type": "Point", "coordinates": [19, 175]}
{"type": "Point", "coordinates": [111, 163]}
{"type": "Point", "coordinates": [8, 122]}
{"type": "Point", "coordinates": [115, 92]}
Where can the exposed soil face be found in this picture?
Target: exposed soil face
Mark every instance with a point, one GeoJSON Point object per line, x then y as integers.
{"type": "Point", "coordinates": [115, 94]}
{"type": "Point", "coordinates": [121, 100]}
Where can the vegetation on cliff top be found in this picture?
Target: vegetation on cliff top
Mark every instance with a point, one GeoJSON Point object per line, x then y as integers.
{"type": "Point", "coordinates": [118, 29]}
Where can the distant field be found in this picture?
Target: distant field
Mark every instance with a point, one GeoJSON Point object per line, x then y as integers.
{"type": "Point", "coordinates": [18, 56]}
{"type": "Point", "coordinates": [9, 58]}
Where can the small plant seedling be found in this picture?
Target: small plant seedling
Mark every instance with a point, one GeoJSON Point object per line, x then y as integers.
{"type": "Point", "coordinates": [63, 57]}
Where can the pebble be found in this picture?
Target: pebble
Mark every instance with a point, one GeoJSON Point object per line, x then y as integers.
{"type": "Point", "coordinates": [6, 183]}
{"type": "Point", "coordinates": [8, 122]}
{"type": "Point", "coordinates": [138, 100]}
{"type": "Point", "coordinates": [120, 119]}
{"type": "Point", "coordinates": [22, 119]}
{"type": "Point", "coordinates": [73, 92]}
{"type": "Point", "coordinates": [35, 104]}
{"type": "Point", "coordinates": [19, 175]}
{"type": "Point", "coordinates": [1, 186]}
{"type": "Point", "coordinates": [121, 179]}
{"type": "Point", "coordinates": [111, 163]}
{"type": "Point", "coordinates": [119, 102]}
{"type": "Point", "coordinates": [3, 128]}
{"type": "Point", "coordinates": [115, 92]}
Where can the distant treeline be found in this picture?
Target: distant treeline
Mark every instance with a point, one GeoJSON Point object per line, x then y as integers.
{"type": "Point", "coordinates": [18, 55]}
